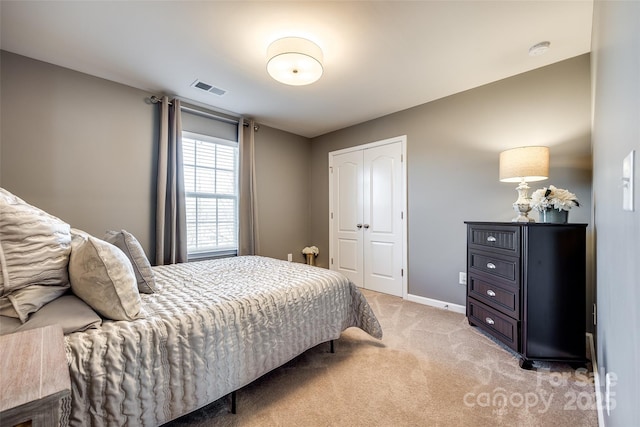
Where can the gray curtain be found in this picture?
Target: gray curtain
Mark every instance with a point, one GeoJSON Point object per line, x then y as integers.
{"type": "Point", "coordinates": [171, 223]}
{"type": "Point", "coordinates": [249, 243]}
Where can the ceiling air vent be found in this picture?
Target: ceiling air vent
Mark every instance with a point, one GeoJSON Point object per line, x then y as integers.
{"type": "Point", "coordinates": [208, 88]}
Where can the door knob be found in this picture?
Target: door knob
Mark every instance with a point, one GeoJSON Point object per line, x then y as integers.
{"type": "Point", "coordinates": [359, 225]}
{"type": "Point", "coordinates": [366, 226]}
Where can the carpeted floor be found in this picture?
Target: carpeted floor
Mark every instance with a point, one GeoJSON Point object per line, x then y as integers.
{"type": "Point", "coordinates": [430, 369]}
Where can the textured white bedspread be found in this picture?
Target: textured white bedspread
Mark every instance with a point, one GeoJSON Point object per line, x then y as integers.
{"type": "Point", "coordinates": [212, 327]}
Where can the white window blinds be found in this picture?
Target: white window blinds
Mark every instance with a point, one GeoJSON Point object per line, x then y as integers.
{"type": "Point", "coordinates": [211, 186]}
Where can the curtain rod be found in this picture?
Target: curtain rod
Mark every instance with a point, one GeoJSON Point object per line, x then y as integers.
{"type": "Point", "coordinates": [156, 100]}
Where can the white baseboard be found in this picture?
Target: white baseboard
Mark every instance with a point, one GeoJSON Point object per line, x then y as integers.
{"type": "Point", "coordinates": [457, 308]}
{"type": "Point", "coordinates": [596, 381]}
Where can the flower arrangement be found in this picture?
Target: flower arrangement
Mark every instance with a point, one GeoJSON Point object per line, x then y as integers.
{"type": "Point", "coordinates": [553, 198]}
{"type": "Point", "coordinates": [311, 250]}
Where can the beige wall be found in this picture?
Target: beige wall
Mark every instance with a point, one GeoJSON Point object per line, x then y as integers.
{"type": "Point", "coordinates": [282, 169]}
{"type": "Point", "coordinates": [616, 131]}
{"type": "Point", "coordinates": [453, 146]}
{"type": "Point", "coordinates": [77, 146]}
{"type": "Point", "coordinates": [83, 148]}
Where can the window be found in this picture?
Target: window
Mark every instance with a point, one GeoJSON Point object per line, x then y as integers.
{"type": "Point", "coordinates": [211, 187]}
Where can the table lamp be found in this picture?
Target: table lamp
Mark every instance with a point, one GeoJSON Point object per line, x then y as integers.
{"type": "Point", "coordinates": [524, 164]}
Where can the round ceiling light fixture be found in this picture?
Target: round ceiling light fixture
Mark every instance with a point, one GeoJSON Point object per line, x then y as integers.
{"type": "Point", "coordinates": [539, 48]}
{"type": "Point", "coordinates": [294, 61]}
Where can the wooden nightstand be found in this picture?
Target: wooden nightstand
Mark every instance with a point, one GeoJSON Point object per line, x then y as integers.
{"type": "Point", "coordinates": [34, 377]}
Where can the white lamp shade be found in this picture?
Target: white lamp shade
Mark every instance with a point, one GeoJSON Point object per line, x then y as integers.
{"type": "Point", "coordinates": [294, 61]}
{"type": "Point", "coordinates": [524, 164]}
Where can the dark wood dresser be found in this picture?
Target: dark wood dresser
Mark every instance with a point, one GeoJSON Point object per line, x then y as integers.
{"type": "Point", "coordinates": [526, 286]}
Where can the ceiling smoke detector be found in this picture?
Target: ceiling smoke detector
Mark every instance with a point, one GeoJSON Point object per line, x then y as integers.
{"type": "Point", "coordinates": [539, 49]}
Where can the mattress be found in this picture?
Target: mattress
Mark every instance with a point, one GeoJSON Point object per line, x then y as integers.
{"type": "Point", "coordinates": [211, 328]}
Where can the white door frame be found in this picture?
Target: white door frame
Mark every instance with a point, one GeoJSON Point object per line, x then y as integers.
{"type": "Point", "coordinates": [402, 139]}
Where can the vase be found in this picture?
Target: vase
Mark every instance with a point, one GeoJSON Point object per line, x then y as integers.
{"type": "Point", "coordinates": [311, 259]}
{"type": "Point", "coordinates": [554, 216]}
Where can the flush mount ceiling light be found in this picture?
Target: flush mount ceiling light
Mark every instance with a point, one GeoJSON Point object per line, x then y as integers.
{"type": "Point", "coordinates": [539, 48]}
{"type": "Point", "coordinates": [294, 61]}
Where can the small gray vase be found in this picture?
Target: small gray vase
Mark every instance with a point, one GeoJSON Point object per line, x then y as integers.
{"type": "Point", "coordinates": [554, 216]}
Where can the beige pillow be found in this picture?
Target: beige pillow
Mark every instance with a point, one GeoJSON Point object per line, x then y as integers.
{"type": "Point", "coordinates": [28, 300]}
{"type": "Point", "coordinates": [102, 276]}
{"type": "Point", "coordinates": [9, 325]}
{"type": "Point", "coordinates": [128, 244]}
{"type": "Point", "coordinates": [68, 311]}
{"type": "Point", "coordinates": [34, 254]}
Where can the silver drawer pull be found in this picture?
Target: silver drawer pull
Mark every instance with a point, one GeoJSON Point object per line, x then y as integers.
{"type": "Point", "coordinates": [489, 320]}
{"type": "Point", "coordinates": [491, 293]}
{"type": "Point", "coordinates": [491, 266]}
{"type": "Point", "coordinates": [491, 239]}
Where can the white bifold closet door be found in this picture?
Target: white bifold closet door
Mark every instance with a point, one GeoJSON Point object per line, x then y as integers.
{"type": "Point", "coordinates": [367, 216]}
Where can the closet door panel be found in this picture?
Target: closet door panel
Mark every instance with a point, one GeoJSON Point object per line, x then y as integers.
{"type": "Point", "coordinates": [383, 218]}
{"type": "Point", "coordinates": [347, 215]}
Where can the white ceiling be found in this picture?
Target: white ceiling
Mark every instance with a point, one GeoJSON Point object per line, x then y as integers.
{"type": "Point", "coordinates": [379, 56]}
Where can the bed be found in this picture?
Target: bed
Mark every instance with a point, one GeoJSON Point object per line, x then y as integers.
{"type": "Point", "coordinates": [210, 328]}
{"type": "Point", "coordinates": [146, 345]}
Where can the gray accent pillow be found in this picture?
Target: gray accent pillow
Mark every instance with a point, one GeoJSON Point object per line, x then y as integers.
{"type": "Point", "coordinates": [34, 253]}
{"type": "Point", "coordinates": [102, 276]}
{"type": "Point", "coordinates": [68, 311]}
{"type": "Point", "coordinates": [128, 244]}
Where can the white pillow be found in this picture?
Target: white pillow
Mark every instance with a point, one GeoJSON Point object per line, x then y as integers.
{"type": "Point", "coordinates": [34, 254]}
{"type": "Point", "coordinates": [102, 276]}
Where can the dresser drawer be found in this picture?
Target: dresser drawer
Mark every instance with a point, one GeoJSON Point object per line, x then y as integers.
{"type": "Point", "coordinates": [503, 239]}
{"type": "Point", "coordinates": [504, 299]}
{"type": "Point", "coordinates": [498, 325]}
{"type": "Point", "coordinates": [504, 268]}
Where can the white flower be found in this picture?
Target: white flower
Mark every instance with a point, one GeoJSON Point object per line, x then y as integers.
{"type": "Point", "coordinates": [311, 250]}
{"type": "Point", "coordinates": [553, 198]}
